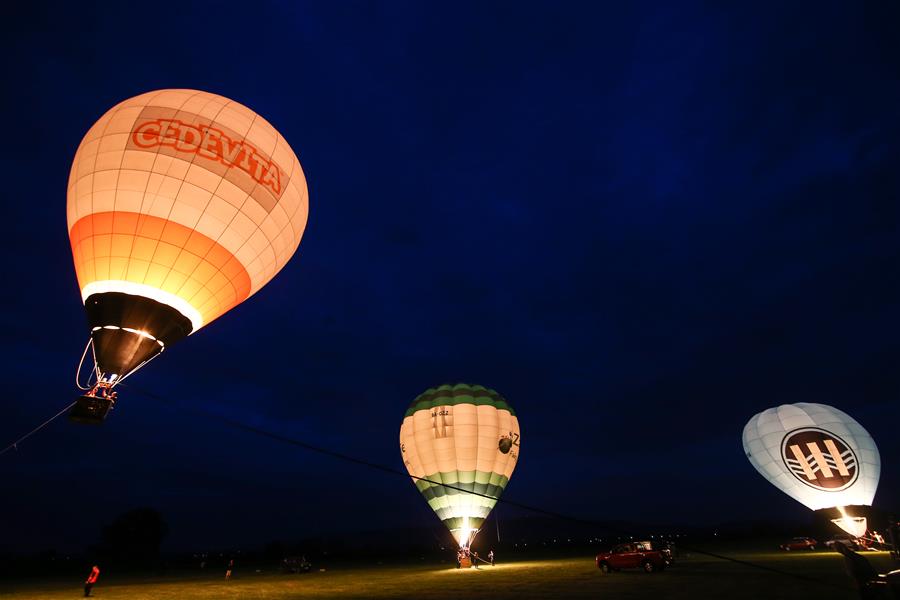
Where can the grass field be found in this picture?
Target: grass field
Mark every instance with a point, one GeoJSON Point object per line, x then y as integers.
{"type": "Point", "coordinates": [691, 577]}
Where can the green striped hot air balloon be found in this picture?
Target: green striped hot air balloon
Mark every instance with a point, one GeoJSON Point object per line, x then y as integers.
{"type": "Point", "coordinates": [467, 438]}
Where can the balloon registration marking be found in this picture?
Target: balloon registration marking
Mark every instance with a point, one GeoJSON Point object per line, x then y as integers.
{"type": "Point", "coordinates": [442, 422]}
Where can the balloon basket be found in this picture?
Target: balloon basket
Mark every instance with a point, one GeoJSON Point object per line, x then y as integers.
{"type": "Point", "coordinates": [91, 410]}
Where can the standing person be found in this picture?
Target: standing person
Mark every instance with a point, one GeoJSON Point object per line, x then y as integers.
{"type": "Point", "coordinates": [491, 556]}
{"type": "Point", "coordinates": [229, 569]}
{"type": "Point", "coordinates": [91, 580]}
{"type": "Point", "coordinates": [475, 559]}
{"type": "Point", "coordinates": [458, 558]}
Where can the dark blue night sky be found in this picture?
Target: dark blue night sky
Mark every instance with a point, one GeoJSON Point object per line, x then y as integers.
{"type": "Point", "coordinates": [640, 224]}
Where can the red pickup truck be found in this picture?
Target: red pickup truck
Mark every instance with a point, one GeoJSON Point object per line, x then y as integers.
{"type": "Point", "coordinates": [633, 555]}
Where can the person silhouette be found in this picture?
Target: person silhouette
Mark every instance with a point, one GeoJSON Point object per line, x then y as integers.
{"type": "Point", "coordinates": [91, 580]}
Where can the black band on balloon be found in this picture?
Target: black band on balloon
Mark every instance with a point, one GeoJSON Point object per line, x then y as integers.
{"type": "Point", "coordinates": [112, 314]}
{"type": "Point", "coordinates": [137, 312]}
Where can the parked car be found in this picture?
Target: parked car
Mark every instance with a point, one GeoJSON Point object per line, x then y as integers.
{"type": "Point", "coordinates": [631, 556]}
{"type": "Point", "coordinates": [799, 543]}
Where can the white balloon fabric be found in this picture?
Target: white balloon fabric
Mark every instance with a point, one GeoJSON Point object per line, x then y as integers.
{"type": "Point", "coordinates": [816, 454]}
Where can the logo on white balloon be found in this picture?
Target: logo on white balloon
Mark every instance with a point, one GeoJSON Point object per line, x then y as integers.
{"type": "Point", "coordinates": [820, 459]}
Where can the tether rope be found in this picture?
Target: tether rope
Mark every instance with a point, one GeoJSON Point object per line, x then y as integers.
{"type": "Point", "coordinates": [535, 509]}
{"type": "Point", "coordinates": [15, 444]}
{"type": "Point", "coordinates": [393, 471]}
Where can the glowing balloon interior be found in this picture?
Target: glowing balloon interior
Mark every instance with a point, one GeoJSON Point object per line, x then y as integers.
{"type": "Point", "coordinates": [466, 437]}
{"type": "Point", "coordinates": [818, 455]}
{"type": "Point", "coordinates": [181, 205]}
{"type": "Point", "coordinates": [855, 526]}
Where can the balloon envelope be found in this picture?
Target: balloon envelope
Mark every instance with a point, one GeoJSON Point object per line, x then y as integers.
{"type": "Point", "coordinates": [466, 437]}
{"type": "Point", "coordinates": [181, 205]}
{"type": "Point", "coordinates": [817, 454]}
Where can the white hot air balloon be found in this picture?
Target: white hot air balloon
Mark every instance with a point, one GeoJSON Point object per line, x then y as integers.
{"type": "Point", "coordinates": [819, 456]}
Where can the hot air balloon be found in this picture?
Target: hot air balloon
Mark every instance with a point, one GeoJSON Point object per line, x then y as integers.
{"type": "Point", "coordinates": [181, 205]}
{"type": "Point", "coordinates": [819, 456]}
{"type": "Point", "coordinates": [467, 438]}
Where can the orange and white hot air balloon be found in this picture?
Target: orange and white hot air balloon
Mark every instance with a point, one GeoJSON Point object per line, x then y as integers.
{"type": "Point", "coordinates": [181, 205]}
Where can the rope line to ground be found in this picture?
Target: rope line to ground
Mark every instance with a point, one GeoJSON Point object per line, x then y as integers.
{"type": "Point", "coordinates": [535, 509]}
{"type": "Point", "coordinates": [15, 444]}
{"type": "Point", "coordinates": [393, 471]}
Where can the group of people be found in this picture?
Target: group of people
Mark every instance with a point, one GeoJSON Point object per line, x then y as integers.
{"type": "Point", "coordinates": [465, 554]}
